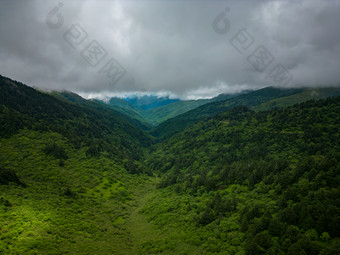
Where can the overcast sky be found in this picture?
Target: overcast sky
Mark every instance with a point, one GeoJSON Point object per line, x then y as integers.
{"type": "Point", "coordinates": [189, 49]}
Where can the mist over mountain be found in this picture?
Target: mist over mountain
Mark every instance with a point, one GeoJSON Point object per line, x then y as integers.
{"type": "Point", "coordinates": [148, 102]}
{"type": "Point", "coordinates": [265, 162]}
{"type": "Point", "coordinates": [170, 127]}
{"type": "Point", "coordinates": [190, 49]}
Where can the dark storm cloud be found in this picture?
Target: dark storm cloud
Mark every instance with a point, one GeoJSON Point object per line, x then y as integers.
{"type": "Point", "coordinates": [171, 46]}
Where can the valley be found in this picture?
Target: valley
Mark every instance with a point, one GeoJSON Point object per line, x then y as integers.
{"type": "Point", "coordinates": [253, 173]}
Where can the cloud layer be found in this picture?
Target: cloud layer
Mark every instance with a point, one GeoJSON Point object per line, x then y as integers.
{"type": "Point", "coordinates": [170, 46]}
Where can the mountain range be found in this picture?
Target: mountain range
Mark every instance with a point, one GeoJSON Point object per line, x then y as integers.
{"type": "Point", "coordinates": [172, 117]}
{"type": "Point", "coordinates": [249, 173]}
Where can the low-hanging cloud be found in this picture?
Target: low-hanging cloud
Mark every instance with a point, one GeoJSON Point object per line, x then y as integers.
{"type": "Point", "coordinates": [171, 46]}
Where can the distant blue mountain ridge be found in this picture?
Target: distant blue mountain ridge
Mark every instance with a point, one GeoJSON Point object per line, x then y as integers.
{"type": "Point", "coordinates": [147, 102]}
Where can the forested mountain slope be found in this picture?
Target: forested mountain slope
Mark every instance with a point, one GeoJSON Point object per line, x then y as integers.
{"type": "Point", "coordinates": [156, 113]}
{"type": "Point", "coordinates": [99, 105]}
{"type": "Point", "coordinates": [147, 102]}
{"type": "Point", "coordinates": [259, 183]}
{"type": "Point", "coordinates": [65, 173]}
{"type": "Point", "coordinates": [82, 123]}
{"type": "Point", "coordinates": [303, 96]}
{"type": "Point", "coordinates": [258, 100]}
{"type": "Point", "coordinates": [253, 98]}
{"type": "Point", "coordinates": [77, 177]}
{"type": "Point", "coordinates": [134, 113]}
{"type": "Point", "coordinates": [57, 199]}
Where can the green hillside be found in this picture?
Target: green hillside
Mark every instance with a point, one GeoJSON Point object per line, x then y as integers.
{"type": "Point", "coordinates": [254, 98]}
{"type": "Point", "coordinates": [186, 113]}
{"type": "Point", "coordinates": [77, 177]}
{"type": "Point", "coordinates": [66, 165]}
{"type": "Point", "coordinates": [154, 116]}
{"type": "Point", "coordinates": [127, 109]}
{"type": "Point", "coordinates": [84, 124]}
{"type": "Point", "coordinates": [253, 183]}
{"type": "Point", "coordinates": [305, 95]}
{"type": "Point", "coordinates": [259, 100]}
{"type": "Point", "coordinates": [157, 115]}
{"type": "Point", "coordinates": [161, 114]}
{"type": "Point", "coordinates": [77, 207]}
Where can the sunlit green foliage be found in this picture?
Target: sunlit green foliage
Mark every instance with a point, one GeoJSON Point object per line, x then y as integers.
{"type": "Point", "coordinates": [74, 209]}
{"type": "Point", "coordinates": [78, 178]}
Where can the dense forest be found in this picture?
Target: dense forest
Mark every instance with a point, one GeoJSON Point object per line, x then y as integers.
{"type": "Point", "coordinates": [255, 173]}
{"type": "Point", "coordinates": [275, 173]}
